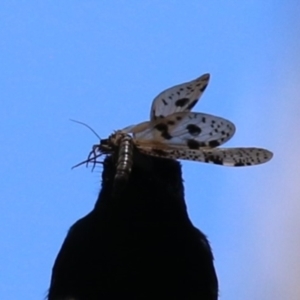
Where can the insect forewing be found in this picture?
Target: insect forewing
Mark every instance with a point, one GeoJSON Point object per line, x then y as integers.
{"type": "Point", "coordinates": [182, 97]}
{"type": "Point", "coordinates": [191, 130]}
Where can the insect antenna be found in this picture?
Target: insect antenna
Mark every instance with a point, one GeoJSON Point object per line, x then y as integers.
{"type": "Point", "coordinates": [89, 127]}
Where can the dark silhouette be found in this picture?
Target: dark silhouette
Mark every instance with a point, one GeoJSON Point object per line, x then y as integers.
{"type": "Point", "coordinates": [137, 244]}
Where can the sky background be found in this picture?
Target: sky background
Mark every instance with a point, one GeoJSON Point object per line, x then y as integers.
{"type": "Point", "coordinates": [102, 63]}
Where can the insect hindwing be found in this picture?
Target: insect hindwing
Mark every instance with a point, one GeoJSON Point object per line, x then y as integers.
{"type": "Point", "coordinates": [195, 130]}
{"type": "Point", "coordinates": [232, 157]}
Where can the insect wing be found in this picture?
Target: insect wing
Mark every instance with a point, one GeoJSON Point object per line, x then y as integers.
{"type": "Point", "coordinates": [185, 129]}
{"type": "Point", "coordinates": [134, 129]}
{"type": "Point", "coordinates": [232, 157]}
{"type": "Point", "coordinates": [182, 97]}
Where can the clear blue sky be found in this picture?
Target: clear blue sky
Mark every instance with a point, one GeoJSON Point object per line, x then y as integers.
{"type": "Point", "coordinates": [102, 62]}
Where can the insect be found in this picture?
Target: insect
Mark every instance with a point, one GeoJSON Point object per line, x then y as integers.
{"type": "Point", "coordinates": [174, 132]}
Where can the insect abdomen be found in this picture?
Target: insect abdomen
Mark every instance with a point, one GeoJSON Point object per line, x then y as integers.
{"type": "Point", "coordinates": [124, 160]}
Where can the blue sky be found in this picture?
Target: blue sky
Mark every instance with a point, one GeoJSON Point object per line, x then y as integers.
{"type": "Point", "coordinates": [102, 62]}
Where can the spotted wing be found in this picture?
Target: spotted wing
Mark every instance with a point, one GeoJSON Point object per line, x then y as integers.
{"type": "Point", "coordinates": [232, 157]}
{"type": "Point", "coordinates": [182, 97]}
{"type": "Point", "coordinates": [192, 130]}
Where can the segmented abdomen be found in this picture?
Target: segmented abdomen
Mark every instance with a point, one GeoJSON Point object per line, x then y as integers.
{"type": "Point", "coordinates": [125, 156]}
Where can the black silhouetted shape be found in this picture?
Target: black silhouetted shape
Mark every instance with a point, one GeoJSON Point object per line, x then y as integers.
{"type": "Point", "coordinates": [139, 244]}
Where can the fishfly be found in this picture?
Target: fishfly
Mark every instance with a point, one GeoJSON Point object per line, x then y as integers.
{"type": "Point", "coordinates": [174, 132]}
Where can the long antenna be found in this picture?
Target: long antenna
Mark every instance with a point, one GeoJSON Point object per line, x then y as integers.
{"type": "Point", "coordinates": [90, 128]}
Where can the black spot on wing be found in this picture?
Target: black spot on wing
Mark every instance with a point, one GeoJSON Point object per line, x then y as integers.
{"type": "Point", "coordinates": [164, 102]}
{"type": "Point", "coordinates": [239, 164]}
{"type": "Point", "coordinates": [193, 129]}
{"type": "Point", "coordinates": [192, 104]}
{"type": "Point", "coordinates": [192, 144]}
{"type": "Point", "coordinates": [215, 159]}
{"type": "Point", "coordinates": [170, 122]}
{"type": "Point", "coordinates": [161, 127]}
{"type": "Point", "coordinates": [153, 112]}
{"type": "Point", "coordinates": [182, 102]}
{"type": "Point", "coordinates": [166, 135]}
{"type": "Point", "coordinates": [203, 88]}
{"type": "Point", "coordinates": [213, 143]}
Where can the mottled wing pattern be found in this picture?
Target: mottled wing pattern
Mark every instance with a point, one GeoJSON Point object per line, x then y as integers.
{"type": "Point", "coordinates": [175, 132]}
{"type": "Point", "coordinates": [184, 129]}
{"type": "Point", "coordinates": [232, 157]}
{"type": "Point", "coordinates": [182, 97]}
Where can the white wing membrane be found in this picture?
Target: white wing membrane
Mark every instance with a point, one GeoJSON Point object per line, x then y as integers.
{"type": "Point", "coordinates": [174, 132]}
{"type": "Point", "coordinates": [232, 157]}
{"type": "Point", "coordinates": [182, 97]}
{"type": "Point", "coordinates": [194, 130]}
